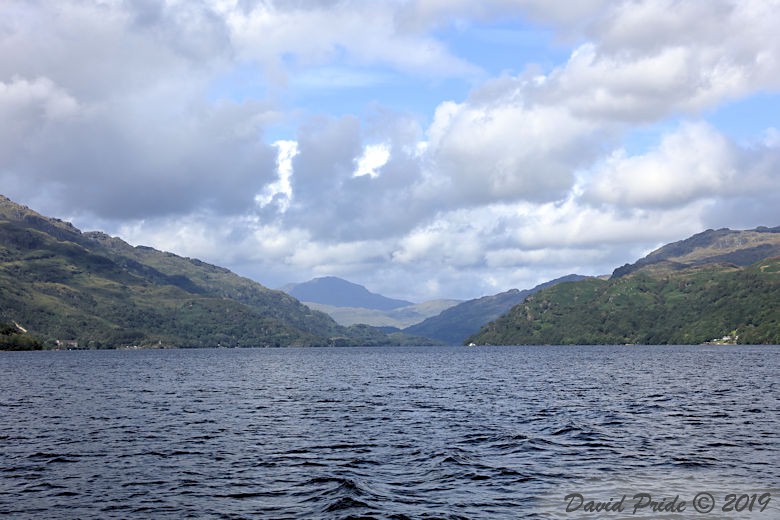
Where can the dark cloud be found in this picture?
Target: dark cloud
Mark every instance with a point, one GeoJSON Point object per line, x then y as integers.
{"type": "Point", "coordinates": [333, 204]}
{"type": "Point", "coordinates": [107, 113]}
{"type": "Point", "coordinates": [192, 29]}
{"type": "Point", "coordinates": [116, 163]}
{"type": "Point", "coordinates": [98, 52]}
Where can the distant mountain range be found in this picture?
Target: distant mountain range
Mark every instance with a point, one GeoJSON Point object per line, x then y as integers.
{"type": "Point", "coordinates": [459, 322]}
{"type": "Point", "coordinates": [446, 321]}
{"type": "Point", "coordinates": [719, 286]}
{"type": "Point", "coordinates": [349, 303]}
{"type": "Point", "coordinates": [336, 292]}
{"type": "Point", "coordinates": [59, 286]}
{"type": "Point", "coordinates": [93, 290]}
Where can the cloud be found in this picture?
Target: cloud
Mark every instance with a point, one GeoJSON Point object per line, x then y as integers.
{"type": "Point", "coordinates": [280, 191]}
{"type": "Point", "coordinates": [343, 187]}
{"type": "Point", "coordinates": [117, 161]}
{"type": "Point", "coordinates": [569, 15]}
{"type": "Point", "coordinates": [40, 95]}
{"type": "Point", "coordinates": [27, 107]}
{"type": "Point", "coordinates": [324, 166]}
{"type": "Point", "coordinates": [505, 150]}
{"type": "Point", "coordinates": [102, 50]}
{"type": "Point", "coordinates": [280, 34]}
{"type": "Point", "coordinates": [649, 59]}
{"type": "Point", "coordinates": [132, 117]}
{"type": "Point", "coordinates": [106, 114]}
{"type": "Point", "coordinates": [374, 157]}
{"type": "Point", "coordinates": [692, 163]}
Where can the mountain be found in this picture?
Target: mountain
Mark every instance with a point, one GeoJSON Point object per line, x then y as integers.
{"type": "Point", "coordinates": [693, 291]}
{"type": "Point", "coordinates": [337, 292]}
{"type": "Point", "coordinates": [57, 283]}
{"type": "Point", "coordinates": [399, 317]}
{"type": "Point", "coordinates": [457, 323]}
{"type": "Point", "coordinates": [725, 245]}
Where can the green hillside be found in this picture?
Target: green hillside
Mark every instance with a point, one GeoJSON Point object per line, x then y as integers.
{"type": "Point", "coordinates": [690, 306]}
{"type": "Point", "coordinates": [57, 283]}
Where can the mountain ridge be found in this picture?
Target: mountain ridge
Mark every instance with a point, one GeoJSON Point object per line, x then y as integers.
{"type": "Point", "coordinates": [739, 247]}
{"type": "Point", "coordinates": [59, 283]}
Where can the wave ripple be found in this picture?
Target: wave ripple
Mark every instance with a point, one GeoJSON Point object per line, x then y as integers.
{"type": "Point", "coordinates": [379, 433]}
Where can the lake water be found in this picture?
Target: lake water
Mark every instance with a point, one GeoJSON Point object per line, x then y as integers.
{"type": "Point", "coordinates": [496, 432]}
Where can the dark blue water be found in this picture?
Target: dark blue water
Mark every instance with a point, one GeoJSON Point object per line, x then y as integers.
{"type": "Point", "coordinates": [386, 433]}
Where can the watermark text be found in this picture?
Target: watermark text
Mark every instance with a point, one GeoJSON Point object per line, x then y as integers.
{"type": "Point", "coordinates": [703, 502]}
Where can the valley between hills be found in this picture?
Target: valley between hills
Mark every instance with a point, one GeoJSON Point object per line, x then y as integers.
{"type": "Point", "coordinates": [64, 288]}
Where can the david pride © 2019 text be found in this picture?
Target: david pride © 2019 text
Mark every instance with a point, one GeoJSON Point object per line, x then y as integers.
{"type": "Point", "coordinates": [703, 502]}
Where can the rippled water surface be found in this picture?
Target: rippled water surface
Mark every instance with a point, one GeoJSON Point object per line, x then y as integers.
{"type": "Point", "coordinates": [384, 433]}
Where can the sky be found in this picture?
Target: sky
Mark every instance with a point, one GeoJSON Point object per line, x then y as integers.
{"type": "Point", "coordinates": [423, 148]}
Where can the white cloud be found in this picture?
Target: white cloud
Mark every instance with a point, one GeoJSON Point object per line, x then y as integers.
{"type": "Point", "coordinates": [374, 157]}
{"type": "Point", "coordinates": [574, 224]}
{"type": "Point", "coordinates": [506, 150]}
{"type": "Point", "coordinates": [278, 34]}
{"type": "Point", "coordinates": [693, 163]}
{"type": "Point", "coordinates": [651, 58]}
{"type": "Point", "coordinates": [280, 191]}
{"type": "Point", "coordinates": [40, 94]}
